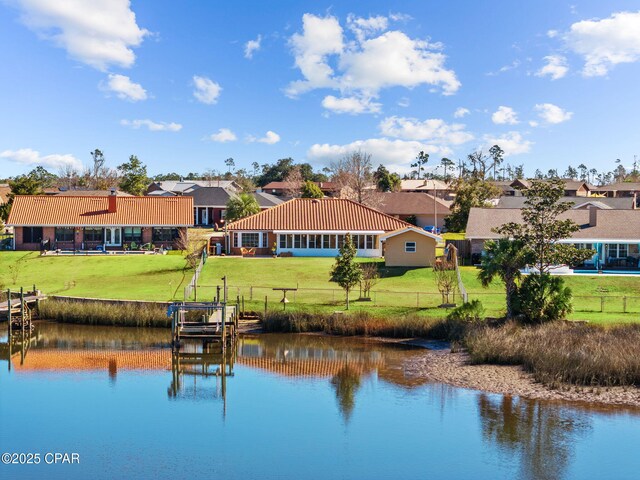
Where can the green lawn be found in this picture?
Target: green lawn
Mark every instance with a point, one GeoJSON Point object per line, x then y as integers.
{"type": "Point", "coordinates": [143, 277]}
{"type": "Point", "coordinates": [399, 291]}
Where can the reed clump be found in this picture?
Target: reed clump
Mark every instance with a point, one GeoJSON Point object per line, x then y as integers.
{"type": "Point", "coordinates": [562, 352]}
{"type": "Point", "coordinates": [105, 313]}
{"type": "Point", "coordinates": [363, 324]}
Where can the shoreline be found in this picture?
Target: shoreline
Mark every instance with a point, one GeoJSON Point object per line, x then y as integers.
{"type": "Point", "coordinates": [442, 366]}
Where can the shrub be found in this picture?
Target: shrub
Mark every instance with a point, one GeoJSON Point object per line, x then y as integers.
{"type": "Point", "coordinates": [472, 311]}
{"type": "Point", "coordinates": [543, 298]}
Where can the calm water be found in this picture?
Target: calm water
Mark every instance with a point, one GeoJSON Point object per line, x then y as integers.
{"type": "Point", "coordinates": [288, 407]}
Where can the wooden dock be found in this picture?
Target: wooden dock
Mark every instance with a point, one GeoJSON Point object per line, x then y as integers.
{"type": "Point", "coordinates": [209, 321]}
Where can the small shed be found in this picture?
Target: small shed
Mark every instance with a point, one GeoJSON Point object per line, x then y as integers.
{"type": "Point", "coordinates": [410, 247]}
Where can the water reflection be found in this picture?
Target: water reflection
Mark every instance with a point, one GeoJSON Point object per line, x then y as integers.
{"type": "Point", "coordinates": [541, 435]}
{"type": "Point", "coordinates": [346, 382]}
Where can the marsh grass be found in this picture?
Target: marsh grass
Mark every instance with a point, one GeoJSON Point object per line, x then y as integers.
{"type": "Point", "coordinates": [363, 324]}
{"type": "Point", "coordinates": [105, 313]}
{"type": "Point", "coordinates": [562, 352]}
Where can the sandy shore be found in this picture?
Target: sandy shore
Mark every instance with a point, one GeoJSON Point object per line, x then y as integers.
{"type": "Point", "coordinates": [440, 365]}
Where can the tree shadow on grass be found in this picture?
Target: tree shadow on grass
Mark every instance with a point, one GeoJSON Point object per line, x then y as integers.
{"type": "Point", "coordinates": [389, 272]}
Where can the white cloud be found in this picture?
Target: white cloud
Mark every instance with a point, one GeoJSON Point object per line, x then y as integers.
{"type": "Point", "coordinates": [512, 143]}
{"type": "Point", "coordinates": [461, 112]}
{"type": "Point", "coordinates": [433, 130]}
{"type": "Point", "coordinates": [352, 105]}
{"type": "Point", "coordinates": [124, 88]}
{"type": "Point", "coordinates": [223, 135]}
{"type": "Point", "coordinates": [27, 156]}
{"type": "Point", "coordinates": [269, 138]}
{"type": "Point", "coordinates": [556, 67]}
{"type": "Point", "coordinates": [252, 46]}
{"type": "Point", "coordinates": [207, 91]}
{"type": "Point", "coordinates": [551, 113]}
{"type": "Point", "coordinates": [99, 33]}
{"type": "Point", "coordinates": [404, 102]}
{"type": "Point", "coordinates": [365, 27]}
{"type": "Point", "coordinates": [396, 155]}
{"type": "Point", "coordinates": [370, 62]}
{"type": "Point", "coordinates": [552, 33]}
{"type": "Point", "coordinates": [504, 115]}
{"type": "Point", "coordinates": [533, 123]}
{"type": "Point", "coordinates": [152, 126]}
{"type": "Point", "coordinates": [505, 68]}
{"type": "Point", "coordinates": [605, 43]}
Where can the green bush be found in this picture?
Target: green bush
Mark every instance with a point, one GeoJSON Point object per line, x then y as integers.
{"type": "Point", "coordinates": [472, 311]}
{"type": "Point", "coordinates": [543, 298]}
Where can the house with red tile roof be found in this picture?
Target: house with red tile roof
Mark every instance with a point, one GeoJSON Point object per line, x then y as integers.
{"type": "Point", "coordinates": [111, 222]}
{"type": "Point", "coordinates": [312, 227]}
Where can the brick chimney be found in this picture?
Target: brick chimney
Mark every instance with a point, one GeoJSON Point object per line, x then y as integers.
{"type": "Point", "coordinates": [593, 216]}
{"type": "Point", "coordinates": [112, 201]}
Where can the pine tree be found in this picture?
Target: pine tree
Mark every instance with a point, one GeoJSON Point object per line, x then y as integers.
{"type": "Point", "coordinates": [346, 272]}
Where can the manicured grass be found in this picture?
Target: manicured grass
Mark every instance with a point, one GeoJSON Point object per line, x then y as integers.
{"type": "Point", "coordinates": [135, 277]}
{"type": "Point", "coordinates": [395, 294]}
{"type": "Point", "coordinates": [453, 236]}
{"type": "Point", "coordinates": [154, 277]}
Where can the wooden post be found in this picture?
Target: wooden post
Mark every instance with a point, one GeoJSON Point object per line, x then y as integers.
{"type": "Point", "coordinates": [9, 314]}
{"type": "Point", "coordinates": [242, 311]}
{"type": "Point", "coordinates": [624, 304]}
{"type": "Point", "coordinates": [251, 292]}
{"type": "Point", "coordinates": [22, 310]}
{"type": "Point", "coordinates": [601, 304]}
{"type": "Point", "coordinates": [417, 299]}
{"type": "Point", "coordinates": [265, 306]}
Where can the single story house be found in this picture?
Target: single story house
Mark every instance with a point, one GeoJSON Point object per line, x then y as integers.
{"type": "Point", "coordinates": [603, 203]}
{"type": "Point", "coordinates": [572, 188]}
{"type": "Point", "coordinates": [622, 189]}
{"type": "Point", "coordinates": [312, 227]}
{"type": "Point", "coordinates": [422, 209]}
{"type": "Point", "coordinates": [409, 247]}
{"type": "Point", "coordinates": [90, 222]}
{"type": "Point", "coordinates": [210, 204]}
{"type": "Point", "coordinates": [280, 188]}
{"type": "Point", "coordinates": [613, 234]}
{"type": "Point", "coordinates": [440, 188]}
{"type": "Point", "coordinates": [180, 187]}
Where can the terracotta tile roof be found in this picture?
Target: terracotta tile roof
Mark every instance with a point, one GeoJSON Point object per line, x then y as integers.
{"type": "Point", "coordinates": [425, 185]}
{"type": "Point", "coordinates": [609, 225]}
{"type": "Point", "coordinates": [326, 214]}
{"type": "Point", "coordinates": [57, 210]}
{"type": "Point", "coordinates": [92, 193]}
{"type": "Point", "coordinates": [408, 203]}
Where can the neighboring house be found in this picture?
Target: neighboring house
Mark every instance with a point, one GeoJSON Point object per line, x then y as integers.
{"type": "Point", "coordinates": [181, 187]}
{"type": "Point", "coordinates": [614, 234]}
{"type": "Point", "coordinates": [313, 228]}
{"type": "Point", "coordinates": [5, 190]}
{"type": "Point", "coordinates": [514, 188]}
{"type": "Point", "coordinates": [409, 247]}
{"type": "Point", "coordinates": [92, 193]}
{"type": "Point", "coordinates": [210, 204]}
{"type": "Point", "coordinates": [421, 209]}
{"type": "Point", "coordinates": [623, 189]}
{"type": "Point", "coordinates": [442, 189]}
{"type": "Point", "coordinates": [89, 222]}
{"type": "Point", "coordinates": [280, 188]}
{"type": "Point", "coordinates": [624, 203]}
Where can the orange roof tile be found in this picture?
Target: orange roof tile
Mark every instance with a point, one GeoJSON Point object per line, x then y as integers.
{"type": "Point", "coordinates": [323, 214]}
{"type": "Point", "coordinates": [58, 210]}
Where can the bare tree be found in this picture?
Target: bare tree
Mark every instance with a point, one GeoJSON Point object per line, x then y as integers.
{"type": "Point", "coordinates": [370, 277]}
{"type": "Point", "coordinates": [294, 183]}
{"type": "Point", "coordinates": [353, 176]}
{"type": "Point", "coordinates": [446, 279]}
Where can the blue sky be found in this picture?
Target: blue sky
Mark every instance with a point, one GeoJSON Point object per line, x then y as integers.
{"type": "Point", "coordinates": [186, 85]}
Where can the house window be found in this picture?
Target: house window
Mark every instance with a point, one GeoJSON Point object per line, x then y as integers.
{"type": "Point", "coordinates": [31, 234]}
{"type": "Point", "coordinates": [299, 241]}
{"type": "Point", "coordinates": [286, 241]}
{"type": "Point", "coordinates": [132, 234]}
{"type": "Point", "coordinates": [165, 234]}
{"type": "Point", "coordinates": [340, 241]}
{"type": "Point", "coordinates": [410, 247]}
{"type": "Point", "coordinates": [64, 234]}
{"type": "Point", "coordinates": [326, 241]}
{"type": "Point", "coordinates": [617, 250]}
{"type": "Point", "coordinates": [315, 241]}
{"type": "Point", "coordinates": [93, 234]}
{"type": "Point", "coordinates": [370, 242]}
{"type": "Point", "coordinates": [251, 240]}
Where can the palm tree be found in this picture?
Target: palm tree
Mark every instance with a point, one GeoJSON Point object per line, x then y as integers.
{"type": "Point", "coordinates": [503, 258]}
{"type": "Point", "coordinates": [241, 206]}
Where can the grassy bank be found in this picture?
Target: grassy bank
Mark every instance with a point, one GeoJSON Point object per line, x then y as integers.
{"type": "Point", "coordinates": [363, 324]}
{"type": "Point", "coordinates": [139, 277]}
{"type": "Point", "coordinates": [562, 352]}
{"type": "Point", "coordinates": [103, 313]}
